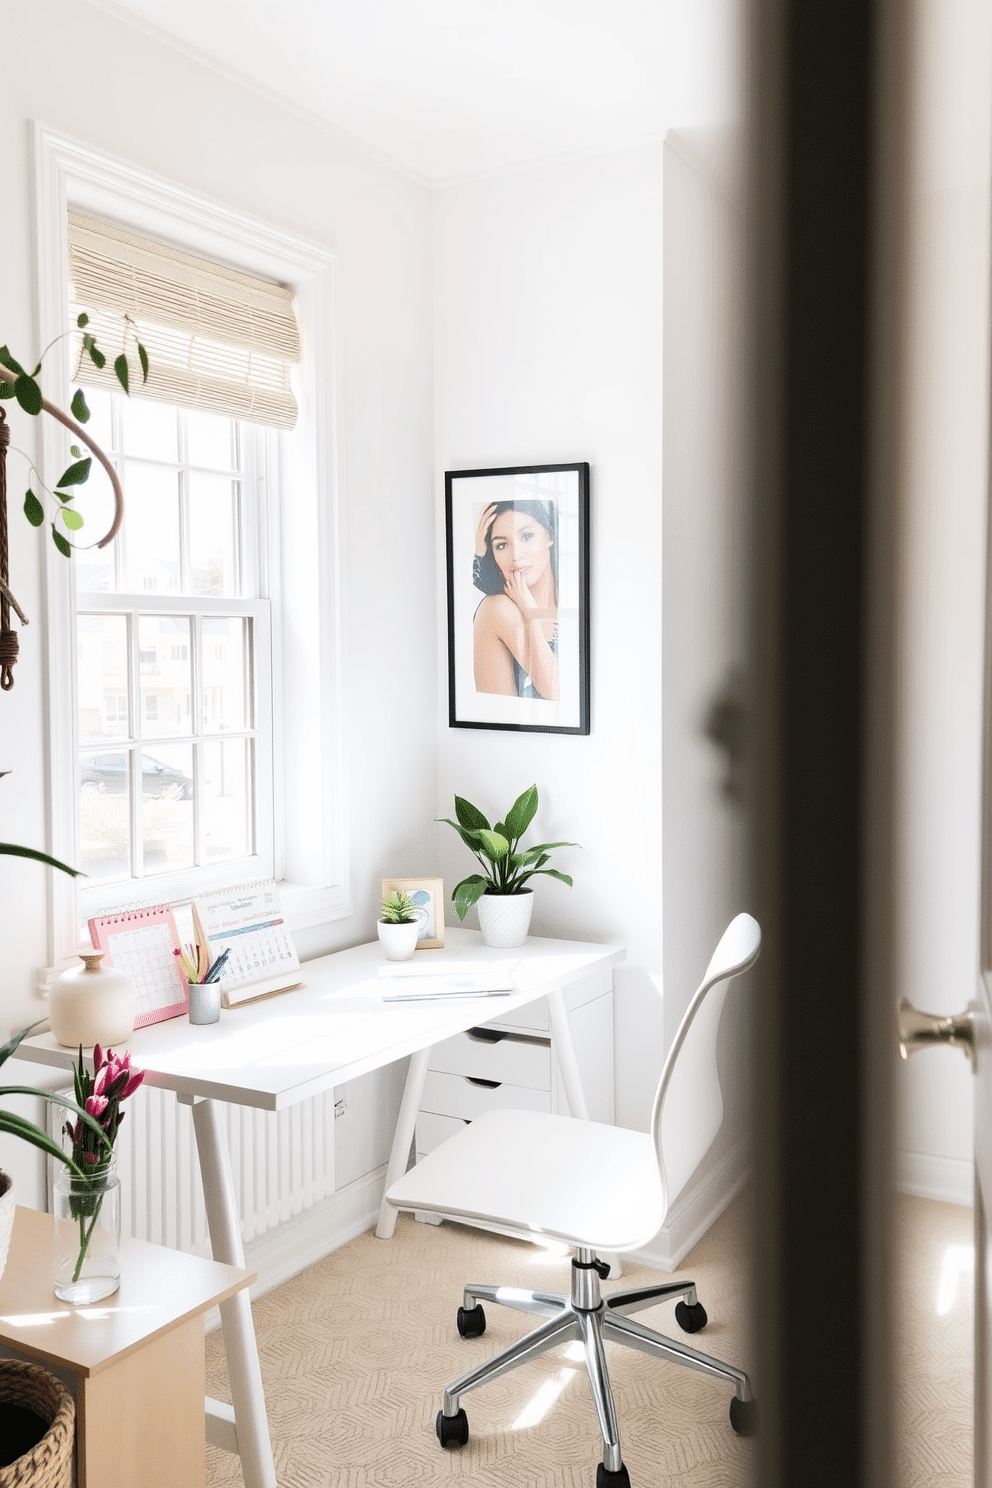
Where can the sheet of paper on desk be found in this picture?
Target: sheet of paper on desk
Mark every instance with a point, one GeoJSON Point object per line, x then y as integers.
{"type": "Point", "coordinates": [410, 981]}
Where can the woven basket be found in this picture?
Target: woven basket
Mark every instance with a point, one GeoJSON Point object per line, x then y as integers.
{"type": "Point", "coordinates": [49, 1464]}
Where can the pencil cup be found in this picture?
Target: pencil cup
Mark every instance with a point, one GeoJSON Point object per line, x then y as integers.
{"type": "Point", "coordinates": [204, 1002]}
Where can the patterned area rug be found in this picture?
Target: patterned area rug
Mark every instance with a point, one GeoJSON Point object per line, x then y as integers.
{"type": "Point", "coordinates": [935, 1301]}
{"type": "Point", "coordinates": [355, 1354]}
{"type": "Point", "coordinates": [356, 1351]}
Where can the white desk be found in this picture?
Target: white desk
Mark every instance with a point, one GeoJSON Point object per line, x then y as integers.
{"type": "Point", "coordinates": [274, 1053]}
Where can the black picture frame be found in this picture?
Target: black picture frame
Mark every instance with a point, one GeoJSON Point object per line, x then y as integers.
{"type": "Point", "coordinates": [539, 531]}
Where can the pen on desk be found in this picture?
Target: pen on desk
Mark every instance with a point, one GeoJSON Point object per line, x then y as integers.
{"type": "Point", "coordinates": [213, 975]}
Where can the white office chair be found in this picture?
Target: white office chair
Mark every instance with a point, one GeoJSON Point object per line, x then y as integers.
{"type": "Point", "coordinates": [600, 1189]}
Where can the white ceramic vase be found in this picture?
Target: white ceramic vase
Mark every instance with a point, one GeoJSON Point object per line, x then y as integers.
{"type": "Point", "coordinates": [8, 1202]}
{"type": "Point", "coordinates": [504, 919]}
{"type": "Point", "coordinates": [398, 941]}
{"type": "Point", "coordinates": [92, 1004]}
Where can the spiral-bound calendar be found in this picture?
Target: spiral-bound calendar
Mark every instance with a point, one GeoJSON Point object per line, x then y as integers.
{"type": "Point", "coordinates": [247, 921]}
{"type": "Point", "coordinates": [142, 943]}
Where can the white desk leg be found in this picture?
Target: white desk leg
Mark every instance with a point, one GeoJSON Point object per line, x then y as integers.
{"type": "Point", "coordinates": [565, 1054]}
{"type": "Point", "coordinates": [406, 1124]}
{"type": "Point", "coordinates": [254, 1447]}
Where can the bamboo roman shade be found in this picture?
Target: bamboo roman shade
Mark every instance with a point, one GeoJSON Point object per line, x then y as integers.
{"type": "Point", "coordinates": [217, 339]}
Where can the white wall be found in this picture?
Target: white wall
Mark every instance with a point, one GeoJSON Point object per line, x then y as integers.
{"type": "Point", "coordinates": [944, 576]}
{"type": "Point", "coordinates": [87, 74]}
{"type": "Point", "coordinates": [548, 347]}
{"type": "Point", "coordinates": [703, 585]}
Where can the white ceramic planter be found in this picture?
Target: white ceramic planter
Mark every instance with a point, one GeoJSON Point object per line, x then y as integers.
{"type": "Point", "coordinates": [398, 941]}
{"type": "Point", "coordinates": [8, 1201]}
{"type": "Point", "coordinates": [92, 1004]}
{"type": "Point", "coordinates": [504, 919]}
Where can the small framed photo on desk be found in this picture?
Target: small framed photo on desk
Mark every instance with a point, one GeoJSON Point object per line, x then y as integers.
{"type": "Point", "coordinates": [428, 897]}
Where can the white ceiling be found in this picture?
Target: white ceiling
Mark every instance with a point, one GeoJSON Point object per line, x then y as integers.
{"type": "Point", "coordinates": [446, 89]}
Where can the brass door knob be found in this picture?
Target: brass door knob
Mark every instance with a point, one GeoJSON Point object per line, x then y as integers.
{"type": "Point", "coordinates": [926, 1030]}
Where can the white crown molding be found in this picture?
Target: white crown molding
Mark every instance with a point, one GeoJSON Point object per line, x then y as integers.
{"type": "Point", "coordinates": [373, 153]}
{"type": "Point", "coordinates": [251, 85]}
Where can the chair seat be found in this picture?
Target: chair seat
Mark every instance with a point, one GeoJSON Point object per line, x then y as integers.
{"type": "Point", "coordinates": [580, 1182]}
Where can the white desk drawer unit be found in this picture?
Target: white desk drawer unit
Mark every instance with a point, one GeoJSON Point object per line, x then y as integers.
{"type": "Point", "coordinates": [510, 1065]}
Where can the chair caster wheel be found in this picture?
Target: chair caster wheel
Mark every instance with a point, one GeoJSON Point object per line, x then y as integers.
{"type": "Point", "coordinates": [452, 1431]}
{"type": "Point", "coordinates": [607, 1479]}
{"type": "Point", "coordinates": [690, 1319]}
{"type": "Point", "coordinates": [744, 1416]}
{"type": "Point", "coordinates": [471, 1321]}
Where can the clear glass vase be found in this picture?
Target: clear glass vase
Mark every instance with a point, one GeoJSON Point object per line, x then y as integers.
{"type": "Point", "coordinates": [87, 1234]}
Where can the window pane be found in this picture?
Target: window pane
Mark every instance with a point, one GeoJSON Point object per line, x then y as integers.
{"type": "Point", "coordinates": [95, 566]}
{"type": "Point", "coordinates": [164, 669]}
{"type": "Point", "coordinates": [210, 441]}
{"type": "Point", "coordinates": [167, 807]}
{"type": "Point", "coordinates": [212, 517]}
{"type": "Point", "coordinates": [151, 529]}
{"type": "Point", "coordinates": [226, 818]}
{"type": "Point", "coordinates": [103, 813]}
{"type": "Point", "coordinates": [151, 429]}
{"type": "Point", "coordinates": [101, 648]}
{"type": "Point", "coordinates": [223, 669]}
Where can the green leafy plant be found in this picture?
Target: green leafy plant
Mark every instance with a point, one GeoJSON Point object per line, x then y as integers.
{"type": "Point", "coordinates": [506, 868]}
{"type": "Point", "coordinates": [23, 387]}
{"type": "Point", "coordinates": [398, 908]}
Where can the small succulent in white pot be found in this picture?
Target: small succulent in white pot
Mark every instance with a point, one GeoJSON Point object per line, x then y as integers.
{"type": "Point", "coordinates": [501, 890]}
{"type": "Point", "coordinates": [399, 925]}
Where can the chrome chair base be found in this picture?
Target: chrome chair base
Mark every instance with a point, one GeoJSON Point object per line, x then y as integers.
{"type": "Point", "coordinates": [591, 1319]}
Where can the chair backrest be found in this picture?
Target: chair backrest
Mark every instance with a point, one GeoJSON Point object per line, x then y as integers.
{"type": "Point", "coordinates": [688, 1104]}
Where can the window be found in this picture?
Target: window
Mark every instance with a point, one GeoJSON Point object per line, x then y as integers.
{"type": "Point", "coordinates": [184, 631]}
{"type": "Point", "coordinates": [187, 787]}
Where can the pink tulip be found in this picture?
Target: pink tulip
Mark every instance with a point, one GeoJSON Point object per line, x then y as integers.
{"type": "Point", "coordinates": [97, 1057]}
{"type": "Point", "coordinates": [132, 1084]}
{"type": "Point", "coordinates": [96, 1105]}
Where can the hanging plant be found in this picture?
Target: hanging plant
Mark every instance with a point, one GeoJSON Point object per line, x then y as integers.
{"type": "Point", "coordinates": [24, 388]}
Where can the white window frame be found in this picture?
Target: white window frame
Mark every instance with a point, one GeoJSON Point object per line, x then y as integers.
{"type": "Point", "coordinates": [311, 842]}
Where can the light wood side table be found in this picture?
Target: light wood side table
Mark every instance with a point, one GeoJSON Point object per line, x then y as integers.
{"type": "Point", "coordinates": [134, 1361]}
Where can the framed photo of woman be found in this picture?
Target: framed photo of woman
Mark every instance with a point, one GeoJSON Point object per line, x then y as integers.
{"type": "Point", "coordinates": [518, 598]}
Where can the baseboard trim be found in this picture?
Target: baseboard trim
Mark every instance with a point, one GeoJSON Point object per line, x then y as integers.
{"type": "Point", "coordinates": [697, 1208]}
{"type": "Point", "coordinates": [949, 1180]}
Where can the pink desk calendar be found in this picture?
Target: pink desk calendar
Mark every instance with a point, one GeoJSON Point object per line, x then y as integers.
{"type": "Point", "coordinates": [142, 943]}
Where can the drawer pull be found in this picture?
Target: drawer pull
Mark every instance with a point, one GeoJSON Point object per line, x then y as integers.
{"type": "Point", "coordinates": [486, 1084]}
{"type": "Point", "coordinates": [486, 1035]}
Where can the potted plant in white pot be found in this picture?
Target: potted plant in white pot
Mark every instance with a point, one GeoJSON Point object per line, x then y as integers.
{"type": "Point", "coordinates": [398, 926]}
{"type": "Point", "coordinates": [505, 903]}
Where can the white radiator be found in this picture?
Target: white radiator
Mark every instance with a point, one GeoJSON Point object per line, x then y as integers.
{"type": "Point", "coordinates": [282, 1164]}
